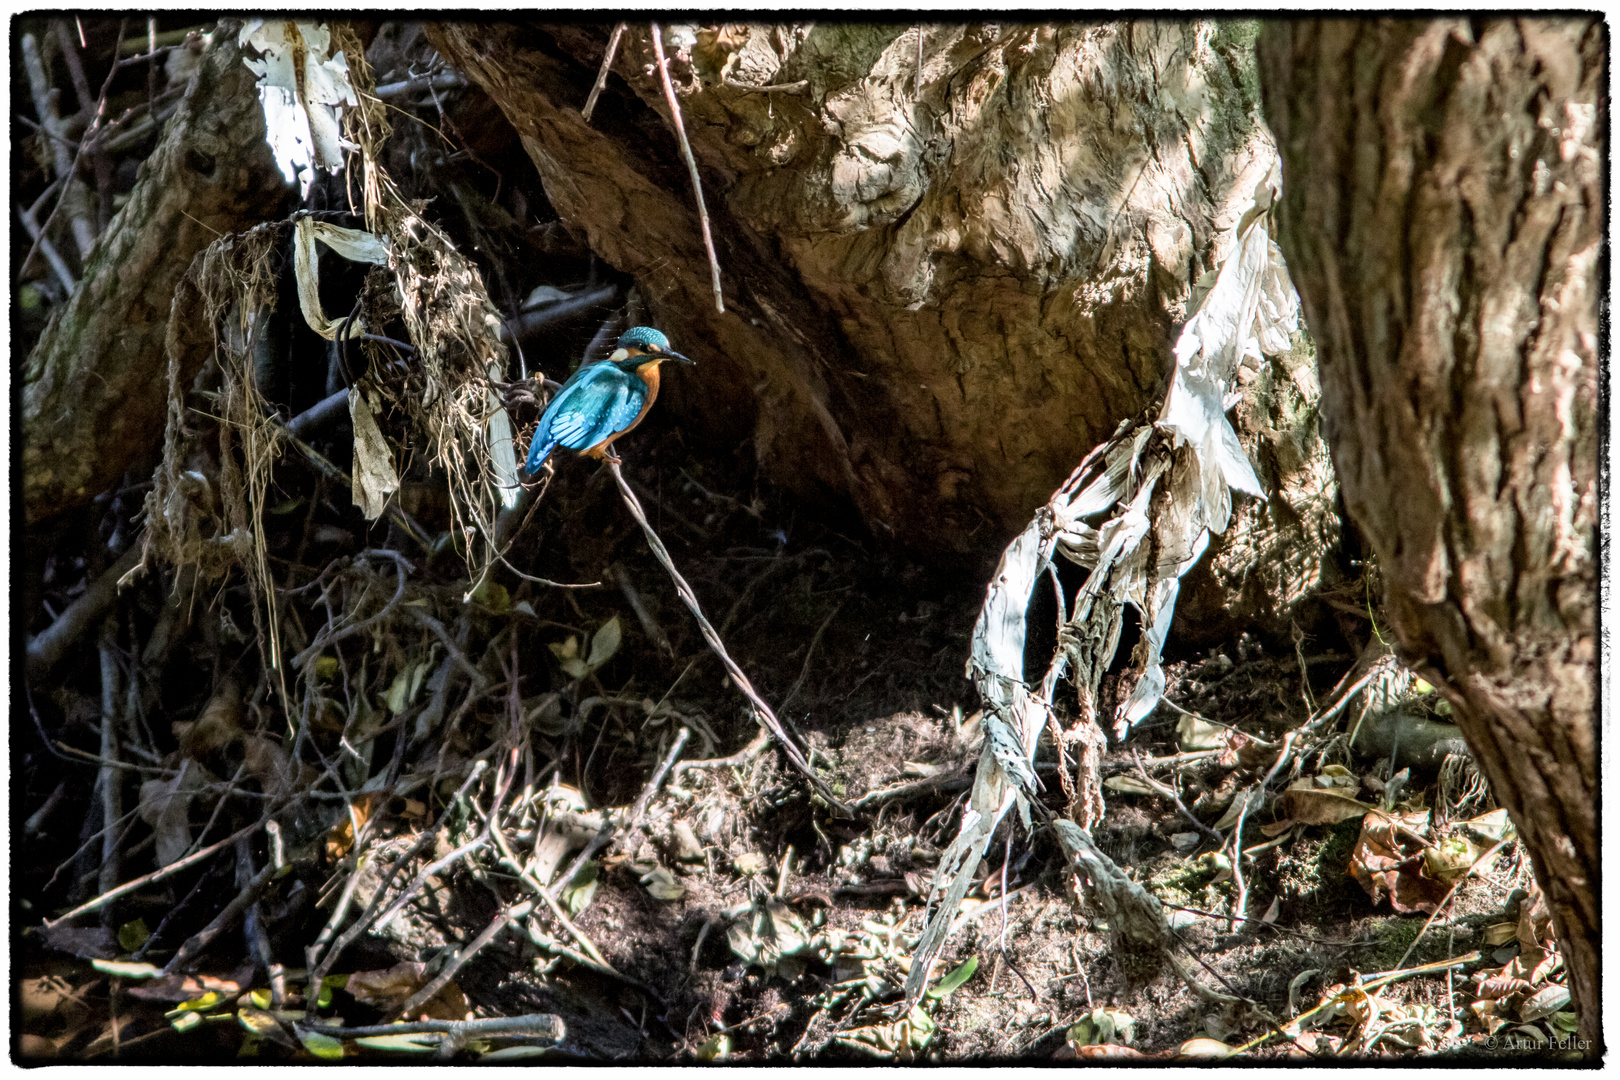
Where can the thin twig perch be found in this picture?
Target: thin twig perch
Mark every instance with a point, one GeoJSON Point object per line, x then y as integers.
{"type": "Point", "coordinates": [691, 165]}
{"type": "Point", "coordinates": [601, 76]}
{"type": "Point", "coordinates": [689, 598]}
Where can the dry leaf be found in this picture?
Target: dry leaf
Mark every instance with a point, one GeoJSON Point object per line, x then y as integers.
{"type": "Point", "coordinates": [166, 806]}
{"type": "Point", "coordinates": [188, 987]}
{"type": "Point", "coordinates": [341, 837]}
{"type": "Point", "coordinates": [1204, 1048]}
{"type": "Point", "coordinates": [1195, 734]}
{"type": "Point", "coordinates": [217, 726]}
{"type": "Point", "coordinates": [1307, 802]}
{"type": "Point", "coordinates": [303, 92]}
{"type": "Point", "coordinates": [267, 763]}
{"type": "Point", "coordinates": [1386, 862]}
{"type": "Point", "coordinates": [390, 988]}
{"type": "Point", "coordinates": [662, 885]}
{"type": "Point", "coordinates": [373, 471]}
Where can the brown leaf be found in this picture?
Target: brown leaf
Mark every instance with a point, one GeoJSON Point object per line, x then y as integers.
{"type": "Point", "coordinates": [219, 724]}
{"type": "Point", "coordinates": [1255, 757]}
{"type": "Point", "coordinates": [390, 988]}
{"type": "Point", "coordinates": [341, 838]}
{"type": "Point", "coordinates": [186, 987]}
{"type": "Point", "coordinates": [1108, 1050]}
{"type": "Point", "coordinates": [1535, 919]}
{"type": "Point", "coordinates": [267, 763]}
{"type": "Point", "coordinates": [1313, 805]}
{"type": "Point", "coordinates": [373, 472]}
{"type": "Point", "coordinates": [1500, 986]}
{"type": "Point", "coordinates": [88, 942]}
{"type": "Point", "coordinates": [1386, 862]}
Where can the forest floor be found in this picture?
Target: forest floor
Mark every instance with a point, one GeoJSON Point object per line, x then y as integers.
{"type": "Point", "coordinates": [740, 920]}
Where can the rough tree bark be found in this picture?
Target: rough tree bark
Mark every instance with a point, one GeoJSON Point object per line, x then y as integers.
{"type": "Point", "coordinates": [944, 283]}
{"type": "Point", "coordinates": [1442, 217]}
{"type": "Point", "coordinates": [93, 387]}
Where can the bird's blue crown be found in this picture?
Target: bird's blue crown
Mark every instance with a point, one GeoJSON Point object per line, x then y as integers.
{"type": "Point", "coordinates": [644, 338]}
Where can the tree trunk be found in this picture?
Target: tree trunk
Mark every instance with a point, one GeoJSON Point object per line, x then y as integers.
{"type": "Point", "coordinates": [944, 283]}
{"type": "Point", "coordinates": [94, 386]}
{"type": "Point", "coordinates": [1443, 220]}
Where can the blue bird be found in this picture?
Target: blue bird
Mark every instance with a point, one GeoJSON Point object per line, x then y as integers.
{"type": "Point", "coordinates": [602, 401]}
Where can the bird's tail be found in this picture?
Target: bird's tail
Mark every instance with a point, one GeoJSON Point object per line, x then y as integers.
{"type": "Point", "coordinates": [538, 452]}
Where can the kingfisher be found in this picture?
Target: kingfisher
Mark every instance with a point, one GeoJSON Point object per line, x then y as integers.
{"type": "Point", "coordinates": [602, 401]}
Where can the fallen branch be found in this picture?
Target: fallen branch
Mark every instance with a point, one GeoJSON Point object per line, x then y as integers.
{"type": "Point", "coordinates": [512, 913]}
{"type": "Point", "coordinates": [318, 970]}
{"type": "Point", "coordinates": [761, 710]}
{"type": "Point", "coordinates": [742, 757]}
{"type": "Point", "coordinates": [534, 1025]}
{"type": "Point", "coordinates": [51, 643]}
{"type": "Point", "coordinates": [233, 911]}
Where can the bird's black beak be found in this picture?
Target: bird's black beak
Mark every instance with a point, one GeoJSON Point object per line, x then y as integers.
{"type": "Point", "coordinates": [671, 354]}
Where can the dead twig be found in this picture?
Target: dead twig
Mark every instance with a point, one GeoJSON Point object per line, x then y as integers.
{"type": "Point", "coordinates": [222, 922]}
{"type": "Point", "coordinates": [691, 165]}
{"type": "Point", "coordinates": [633, 598]}
{"type": "Point", "coordinates": [359, 926]}
{"type": "Point", "coordinates": [742, 757]}
{"type": "Point", "coordinates": [326, 639]}
{"type": "Point", "coordinates": [84, 235]}
{"type": "Point", "coordinates": [53, 258]}
{"type": "Point", "coordinates": [774, 88]}
{"type": "Point", "coordinates": [761, 710]}
{"type": "Point", "coordinates": [51, 643]}
{"type": "Point", "coordinates": [809, 653]}
{"type": "Point", "coordinates": [109, 780]}
{"type": "Point", "coordinates": [511, 913]}
{"type": "Point", "coordinates": [162, 872]}
{"type": "Point", "coordinates": [602, 75]}
{"type": "Point", "coordinates": [1168, 792]}
{"type": "Point", "coordinates": [532, 1025]}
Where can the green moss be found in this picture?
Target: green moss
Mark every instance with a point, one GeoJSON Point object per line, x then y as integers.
{"type": "Point", "coordinates": [1185, 883]}
{"type": "Point", "coordinates": [1394, 937]}
{"type": "Point", "coordinates": [1234, 40]}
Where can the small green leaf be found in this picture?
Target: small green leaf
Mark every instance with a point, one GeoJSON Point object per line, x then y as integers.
{"type": "Point", "coordinates": [258, 1022]}
{"type": "Point", "coordinates": [493, 595]}
{"type": "Point", "coordinates": [1565, 1021]}
{"type": "Point", "coordinates": [260, 999]}
{"type": "Point", "coordinates": [943, 989]}
{"type": "Point", "coordinates": [327, 668]}
{"type": "Point", "coordinates": [321, 1045]}
{"type": "Point", "coordinates": [582, 889]}
{"type": "Point", "coordinates": [196, 1004]}
{"type": "Point", "coordinates": [288, 506]}
{"type": "Point", "coordinates": [324, 998]}
{"type": "Point", "coordinates": [605, 642]}
{"type": "Point", "coordinates": [714, 1048]}
{"type": "Point", "coordinates": [132, 935]}
{"type": "Point", "coordinates": [186, 1021]}
{"type": "Point", "coordinates": [126, 970]}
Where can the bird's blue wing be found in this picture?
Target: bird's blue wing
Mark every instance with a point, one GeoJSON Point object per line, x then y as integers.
{"type": "Point", "coordinates": [596, 402]}
{"type": "Point", "coordinates": [626, 409]}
